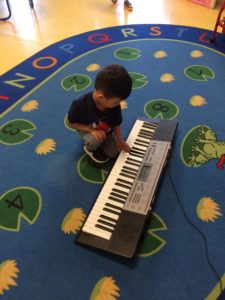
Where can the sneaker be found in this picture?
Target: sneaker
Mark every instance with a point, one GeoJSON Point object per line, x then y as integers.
{"type": "Point", "coordinates": [128, 5]}
{"type": "Point", "coordinates": [97, 155]}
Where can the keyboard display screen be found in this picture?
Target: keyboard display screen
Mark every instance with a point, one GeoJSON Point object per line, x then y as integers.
{"type": "Point", "coordinates": [144, 172]}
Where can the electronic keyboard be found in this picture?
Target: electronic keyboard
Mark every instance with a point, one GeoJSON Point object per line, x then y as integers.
{"type": "Point", "coordinates": [118, 217]}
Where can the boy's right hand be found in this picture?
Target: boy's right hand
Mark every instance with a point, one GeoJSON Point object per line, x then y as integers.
{"type": "Point", "coordinates": [100, 135]}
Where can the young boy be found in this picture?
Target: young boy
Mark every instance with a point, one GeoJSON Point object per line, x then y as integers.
{"type": "Point", "coordinates": [97, 115]}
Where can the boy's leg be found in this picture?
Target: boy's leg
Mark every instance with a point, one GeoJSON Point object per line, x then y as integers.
{"type": "Point", "coordinates": [89, 141]}
{"type": "Point", "coordinates": [109, 146]}
{"type": "Point", "coordinates": [93, 149]}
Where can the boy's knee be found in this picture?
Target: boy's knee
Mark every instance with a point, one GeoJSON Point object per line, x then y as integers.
{"type": "Point", "coordinates": [91, 142]}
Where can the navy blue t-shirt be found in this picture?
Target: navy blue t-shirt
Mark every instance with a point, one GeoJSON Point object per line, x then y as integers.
{"type": "Point", "coordinates": [84, 110]}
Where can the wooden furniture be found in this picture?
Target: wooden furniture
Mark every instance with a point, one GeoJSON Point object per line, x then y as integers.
{"type": "Point", "coordinates": [10, 12]}
{"type": "Point", "coordinates": [220, 22]}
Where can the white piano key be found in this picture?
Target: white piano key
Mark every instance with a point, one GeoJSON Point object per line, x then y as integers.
{"type": "Point", "coordinates": [143, 139]}
{"type": "Point", "coordinates": [143, 148]}
{"type": "Point", "coordinates": [116, 208]}
{"type": "Point", "coordinates": [115, 177]}
{"type": "Point", "coordinates": [138, 159]}
{"type": "Point", "coordinates": [103, 217]}
{"type": "Point", "coordinates": [93, 223]}
{"type": "Point", "coordinates": [127, 165]}
{"type": "Point", "coordinates": [118, 204]}
{"type": "Point", "coordinates": [107, 188]}
{"type": "Point", "coordinates": [122, 164]}
{"type": "Point", "coordinates": [98, 232]}
{"type": "Point", "coordinates": [111, 192]}
{"type": "Point", "coordinates": [92, 219]}
{"type": "Point", "coordinates": [117, 174]}
{"type": "Point", "coordinates": [123, 189]}
{"type": "Point", "coordinates": [101, 206]}
{"type": "Point", "coordinates": [99, 211]}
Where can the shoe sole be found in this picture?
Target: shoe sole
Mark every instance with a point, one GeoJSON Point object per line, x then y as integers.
{"type": "Point", "coordinates": [90, 154]}
{"type": "Point", "coordinates": [95, 164]}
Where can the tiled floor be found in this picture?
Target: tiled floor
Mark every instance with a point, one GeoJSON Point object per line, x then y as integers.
{"type": "Point", "coordinates": [28, 31]}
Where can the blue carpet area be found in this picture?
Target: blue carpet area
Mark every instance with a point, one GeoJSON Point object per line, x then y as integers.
{"type": "Point", "coordinates": [48, 187]}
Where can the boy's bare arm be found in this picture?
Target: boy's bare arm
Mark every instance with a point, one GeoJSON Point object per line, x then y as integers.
{"type": "Point", "coordinates": [119, 139]}
{"type": "Point", "coordinates": [100, 135]}
{"type": "Point", "coordinates": [80, 127]}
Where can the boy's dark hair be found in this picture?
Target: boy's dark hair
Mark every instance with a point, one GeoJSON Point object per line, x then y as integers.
{"type": "Point", "coordinates": [114, 81]}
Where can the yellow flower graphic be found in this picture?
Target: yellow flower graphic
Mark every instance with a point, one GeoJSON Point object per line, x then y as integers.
{"type": "Point", "coordinates": [46, 146]}
{"type": "Point", "coordinates": [8, 271]}
{"type": "Point", "coordinates": [93, 68]}
{"type": "Point", "coordinates": [167, 77]}
{"type": "Point", "coordinates": [30, 105]}
{"type": "Point", "coordinates": [196, 53]}
{"type": "Point", "coordinates": [160, 54]}
{"type": "Point", "coordinates": [197, 100]}
{"type": "Point", "coordinates": [123, 104]}
{"type": "Point", "coordinates": [73, 220]}
{"type": "Point", "coordinates": [208, 209]}
{"type": "Point", "coordinates": [105, 289]}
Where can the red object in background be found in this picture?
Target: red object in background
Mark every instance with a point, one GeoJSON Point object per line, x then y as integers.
{"type": "Point", "coordinates": [207, 3]}
{"type": "Point", "coordinates": [104, 126]}
{"type": "Point", "coordinates": [221, 162]}
{"type": "Point", "coordinates": [5, 98]}
{"type": "Point", "coordinates": [219, 23]}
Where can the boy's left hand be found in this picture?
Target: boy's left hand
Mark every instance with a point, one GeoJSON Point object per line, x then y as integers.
{"type": "Point", "coordinates": [122, 145]}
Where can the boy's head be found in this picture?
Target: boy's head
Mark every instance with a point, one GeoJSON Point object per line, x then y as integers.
{"type": "Point", "coordinates": [113, 82]}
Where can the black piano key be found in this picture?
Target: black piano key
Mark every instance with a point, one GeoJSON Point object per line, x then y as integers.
{"type": "Point", "coordinates": [135, 153]}
{"type": "Point", "coordinates": [143, 137]}
{"type": "Point", "coordinates": [147, 129]}
{"type": "Point", "coordinates": [149, 125]}
{"type": "Point", "coordinates": [123, 185]}
{"type": "Point", "coordinates": [141, 134]}
{"type": "Point", "coordinates": [142, 142]}
{"type": "Point", "coordinates": [118, 195]}
{"type": "Point", "coordinates": [113, 206]}
{"type": "Point", "coordinates": [138, 149]}
{"type": "Point", "coordinates": [132, 158]}
{"type": "Point", "coordinates": [145, 132]}
{"type": "Point", "coordinates": [128, 171]}
{"type": "Point", "coordinates": [131, 173]}
{"type": "Point", "coordinates": [108, 218]}
{"type": "Point", "coordinates": [128, 183]}
{"type": "Point", "coordinates": [103, 227]}
{"type": "Point", "coordinates": [119, 191]}
{"type": "Point", "coordinates": [127, 175]}
{"type": "Point", "coordinates": [116, 199]}
{"type": "Point", "coordinates": [111, 211]}
{"type": "Point", "coordinates": [132, 163]}
{"type": "Point", "coordinates": [106, 223]}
